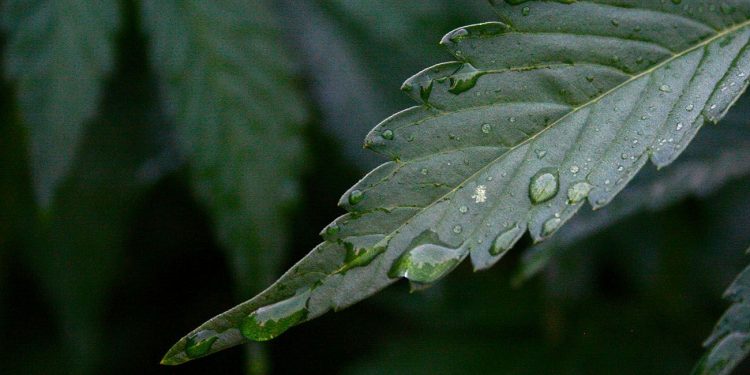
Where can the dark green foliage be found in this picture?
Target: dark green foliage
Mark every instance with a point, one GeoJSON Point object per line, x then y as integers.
{"type": "Point", "coordinates": [538, 114]}
{"type": "Point", "coordinates": [59, 53]}
{"type": "Point", "coordinates": [729, 343]}
{"type": "Point", "coordinates": [163, 160]}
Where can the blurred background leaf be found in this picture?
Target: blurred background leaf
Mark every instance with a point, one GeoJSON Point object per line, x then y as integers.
{"type": "Point", "coordinates": [58, 52]}
{"type": "Point", "coordinates": [126, 260]}
{"type": "Point", "coordinates": [729, 343]}
{"type": "Point", "coordinates": [228, 84]}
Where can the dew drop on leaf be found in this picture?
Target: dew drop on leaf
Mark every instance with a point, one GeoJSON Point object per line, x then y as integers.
{"type": "Point", "coordinates": [550, 226]}
{"type": "Point", "coordinates": [388, 134]}
{"type": "Point", "coordinates": [200, 343]}
{"type": "Point", "coordinates": [426, 263]}
{"type": "Point", "coordinates": [543, 186]}
{"type": "Point", "coordinates": [332, 229]}
{"type": "Point", "coordinates": [270, 321]}
{"type": "Point", "coordinates": [356, 196]}
{"type": "Point", "coordinates": [506, 240]}
{"type": "Point", "coordinates": [358, 256]}
{"type": "Point", "coordinates": [464, 79]}
{"type": "Point", "coordinates": [578, 192]}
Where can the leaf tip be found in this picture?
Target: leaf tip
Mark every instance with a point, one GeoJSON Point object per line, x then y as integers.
{"type": "Point", "coordinates": [175, 355]}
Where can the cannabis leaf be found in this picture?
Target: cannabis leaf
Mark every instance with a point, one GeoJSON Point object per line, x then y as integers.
{"type": "Point", "coordinates": [232, 134]}
{"type": "Point", "coordinates": [717, 157]}
{"type": "Point", "coordinates": [729, 343]}
{"type": "Point", "coordinates": [59, 52]}
{"type": "Point", "coordinates": [541, 112]}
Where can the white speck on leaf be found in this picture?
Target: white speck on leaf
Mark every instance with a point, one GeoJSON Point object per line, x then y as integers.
{"type": "Point", "coordinates": [480, 194]}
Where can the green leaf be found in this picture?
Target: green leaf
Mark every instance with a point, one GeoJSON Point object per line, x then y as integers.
{"type": "Point", "coordinates": [86, 228]}
{"type": "Point", "coordinates": [360, 37]}
{"type": "Point", "coordinates": [534, 107]}
{"type": "Point", "coordinates": [729, 343]}
{"type": "Point", "coordinates": [228, 86]}
{"type": "Point", "coordinates": [59, 53]}
{"type": "Point", "coordinates": [717, 157]}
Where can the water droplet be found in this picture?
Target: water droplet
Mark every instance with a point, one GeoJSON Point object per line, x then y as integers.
{"type": "Point", "coordinates": [578, 192]}
{"type": "Point", "coordinates": [464, 78]}
{"type": "Point", "coordinates": [332, 229]}
{"type": "Point", "coordinates": [540, 153]}
{"type": "Point", "coordinates": [426, 263]}
{"type": "Point", "coordinates": [388, 134]}
{"type": "Point", "coordinates": [665, 88]}
{"type": "Point", "coordinates": [590, 78]}
{"type": "Point", "coordinates": [356, 196]}
{"type": "Point", "coordinates": [506, 240]}
{"type": "Point", "coordinates": [689, 107]}
{"type": "Point", "coordinates": [550, 226]}
{"type": "Point", "coordinates": [200, 343]}
{"type": "Point", "coordinates": [457, 229]}
{"type": "Point", "coordinates": [424, 171]}
{"type": "Point", "coordinates": [679, 126]}
{"type": "Point", "coordinates": [525, 11]}
{"type": "Point", "coordinates": [574, 169]}
{"type": "Point", "coordinates": [615, 22]}
{"type": "Point", "coordinates": [270, 321]}
{"type": "Point", "coordinates": [463, 209]}
{"type": "Point", "coordinates": [543, 186]}
{"type": "Point", "coordinates": [486, 128]}
{"type": "Point", "coordinates": [425, 91]}
{"type": "Point", "coordinates": [362, 253]}
{"type": "Point", "coordinates": [512, 119]}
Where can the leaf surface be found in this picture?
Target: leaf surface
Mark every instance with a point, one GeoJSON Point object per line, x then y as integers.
{"type": "Point", "coordinates": [227, 84]}
{"type": "Point", "coordinates": [729, 343]}
{"type": "Point", "coordinates": [59, 52]}
{"type": "Point", "coordinates": [719, 156]}
{"type": "Point", "coordinates": [539, 113]}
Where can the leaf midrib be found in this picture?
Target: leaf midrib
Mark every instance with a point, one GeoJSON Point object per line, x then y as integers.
{"type": "Point", "coordinates": [574, 110]}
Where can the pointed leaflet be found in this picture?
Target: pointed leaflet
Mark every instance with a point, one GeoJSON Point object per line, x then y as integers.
{"type": "Point", "coordinates": [59, 53]}
{"type": "Point", "coordinates": [534, 106]}
{"type": "Point", "coordinates": [75, 249]}
{"type": "Point", "coordinates": [720, 155]}
{"type": "Point", "coordinates": [227, 84]}
{"type": "Point", "coordinates": [729, 343]}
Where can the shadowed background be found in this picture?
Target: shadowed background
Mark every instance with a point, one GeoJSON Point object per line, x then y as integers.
{"type": "Point", "coordinates": [162, 161]}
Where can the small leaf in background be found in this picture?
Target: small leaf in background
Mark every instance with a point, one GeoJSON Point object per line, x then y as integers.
{"type": "Point", "coordinates": [227, 83]}
{"type": "Point", "coordinates": [76, 248]}
{"type": "Point", "coordinates": [505, 132]}
{"type": "Point", "coordinates": [729, 343]}
{"type": "Point", "coordinates": [59, 52]}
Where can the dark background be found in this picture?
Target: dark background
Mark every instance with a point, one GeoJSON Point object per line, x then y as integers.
{"type": "Point", "coordinates": [637, 297]}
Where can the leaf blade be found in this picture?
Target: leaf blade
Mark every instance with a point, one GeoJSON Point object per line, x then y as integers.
{"type": "Point", "coordinates": [728, 343]}
{"type": "Point", "coordinates": [453, 189]}
{"type": "Point", "coordinates": [230, 133]}
{"type": "Point", "coordinates": [59, 53]}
